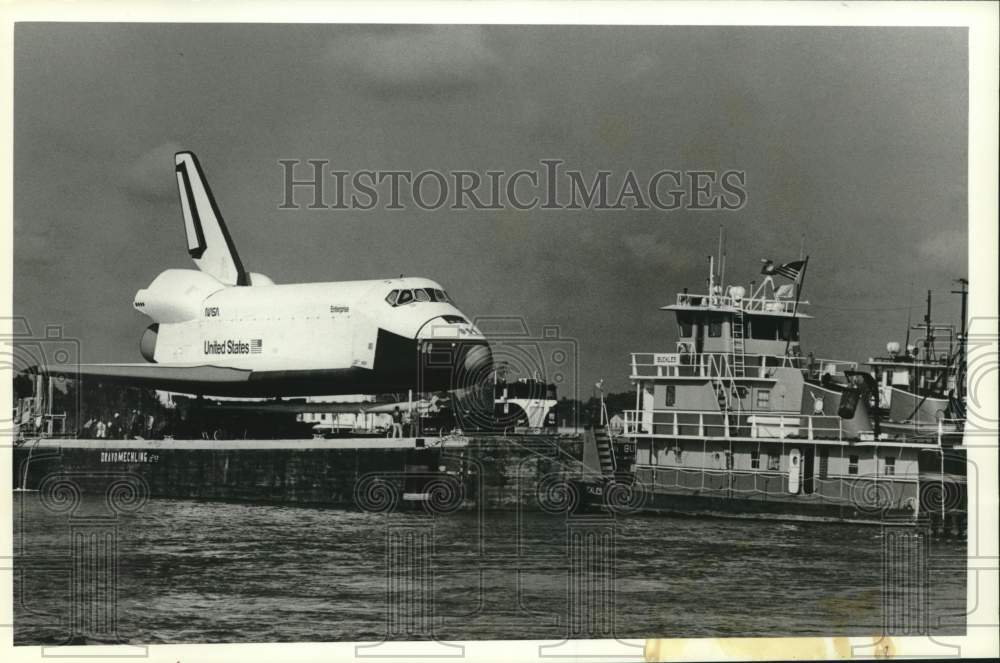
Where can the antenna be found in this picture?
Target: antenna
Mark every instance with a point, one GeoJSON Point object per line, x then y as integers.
{"type": "Point", "coordinates": [964, 285]}
{"type": "Point", "coordinates": [722, 259]}
{"type": "Point", "coordinates": [909, 315]}
{"type": "Point", "coordinates": [711, 279]}
{"type": "Point", "coordinates": [928, 333]}
{"type": "Point", "coordinates": [960, 378]}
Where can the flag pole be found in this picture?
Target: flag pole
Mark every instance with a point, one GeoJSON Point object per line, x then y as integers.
{"type": "Point", "coordinates": [795, 307]}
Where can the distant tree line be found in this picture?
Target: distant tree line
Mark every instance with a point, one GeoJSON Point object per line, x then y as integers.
{"type": "Point", "coordinates": [124, 411]}
{"type": "Point", "coordinates": [134, 412]}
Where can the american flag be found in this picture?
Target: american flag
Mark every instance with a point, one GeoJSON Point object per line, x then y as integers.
{"type": "Point", "coordinates": [791, 270]}
{"type": "Point", "coordinates": [255, 346]}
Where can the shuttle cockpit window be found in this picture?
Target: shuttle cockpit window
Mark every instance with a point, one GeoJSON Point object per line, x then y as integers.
{"type": "Point", "coordinates": [401, 297]}
{"type": "Point", "coordinates": [455, 319]}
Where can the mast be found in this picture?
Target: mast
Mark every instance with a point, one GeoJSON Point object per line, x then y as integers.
{"type": "Point", "coordinates": [798, 292]}
{"type": "Point", "coordinates": [960, 374]}
{"type": "Point", "coordinates": [909, 316]}
{"type": "Point", "coordinates": [918, 384]}
{"type": "Point", "coordinates": [722, 255]}
{"type": "Point", "coordinates": [711, 280]}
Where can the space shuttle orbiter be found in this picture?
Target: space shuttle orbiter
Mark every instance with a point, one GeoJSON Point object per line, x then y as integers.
{"type": "Point", "coordinates": [222, 330]}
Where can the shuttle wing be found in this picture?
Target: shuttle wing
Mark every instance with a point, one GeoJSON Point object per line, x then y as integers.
{"type": "Point", "coordinates": [296, 406]}
{"type": "Point", "coordinates": [187, 378]}
{"type": "Point", "coordinates": [211, 380]}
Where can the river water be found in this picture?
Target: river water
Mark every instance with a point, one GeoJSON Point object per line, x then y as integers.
{"type": "Point", "coordinates": [198, 572]}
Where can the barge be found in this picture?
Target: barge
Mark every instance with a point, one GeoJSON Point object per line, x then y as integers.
{"type": "Point", "coordinates": [490, 448]}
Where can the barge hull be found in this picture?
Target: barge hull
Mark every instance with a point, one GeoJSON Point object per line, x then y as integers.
{"type": "Point", "coordinates": [380, 474]}
{"type": "Point", "coordinates": [332, 472]}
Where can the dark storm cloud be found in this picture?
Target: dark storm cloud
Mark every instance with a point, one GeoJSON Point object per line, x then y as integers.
{"type": "Point", "coordinates": [414, 61]}
{"type": "Point", "coordinates": [151, 176]}
{"type": "Point", "coordinates": [34, 244]}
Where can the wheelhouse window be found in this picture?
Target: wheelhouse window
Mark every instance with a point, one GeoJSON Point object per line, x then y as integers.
{"type": "Point", "coordinates": [769, 328]}
{"type": "Point", "coordinates": [754, 459]}
{"type": "Point", "coordinates": [788, 330]}
{"type": "Point", "coordinates": [715, 327]}
{"type": "Point", "coordinates": [852, 465]}
{"type": "Point", "coordinates": [890, 466]}
{"type": "Point", "coordinates": [774, 461]}
{"type": "Point", "coordinates": [686, 324]}
{"type": "Point", "coordinates": [670, 396]}
{"type": "Point", "coordinates": [763, 328]}
{"type": "Point", "coordinates": [763, 398]}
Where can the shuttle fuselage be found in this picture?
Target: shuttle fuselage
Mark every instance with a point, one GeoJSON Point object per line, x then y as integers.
{"type": "Point", "coordinates": [221, 330]}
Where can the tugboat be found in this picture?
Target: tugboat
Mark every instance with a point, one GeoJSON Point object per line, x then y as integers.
{"type": "Point", "coordinates": [920, 395]}
{"type": "Point", "coordinates": [736, 421]}
{"type": "Point", "coordinates": [921, 388]}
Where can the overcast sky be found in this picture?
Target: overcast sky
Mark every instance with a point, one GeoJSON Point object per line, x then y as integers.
{"type": "Point", "coordinates": [854, 137]}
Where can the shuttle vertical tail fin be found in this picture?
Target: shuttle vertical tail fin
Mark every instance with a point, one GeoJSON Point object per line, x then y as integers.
{"type": "Point", "coordinates": [208, 240]}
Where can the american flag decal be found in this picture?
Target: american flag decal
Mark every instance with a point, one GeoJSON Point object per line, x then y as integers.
{"type": "Point", "coordinates": [255, 346]}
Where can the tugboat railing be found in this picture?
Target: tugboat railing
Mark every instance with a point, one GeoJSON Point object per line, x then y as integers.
{"type": "Point", "coordinates": [719, 364]}
{"type": "Point", "coordinates": [747, 304]}
{"type": "Point", "coordinates": [948, 427]}
{"type": "Point", "coordinates": [755, 425]}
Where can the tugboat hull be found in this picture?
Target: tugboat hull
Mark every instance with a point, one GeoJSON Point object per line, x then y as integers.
{"type": "Point", "coordinates": [793, 480]}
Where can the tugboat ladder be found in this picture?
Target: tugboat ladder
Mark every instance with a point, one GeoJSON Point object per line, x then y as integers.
{"type": "Point", "coordinates": [605, 453]}
{"type": "Point", "coordinates": [725, 382]}
{"type": "Point", "coordinates": [739, 349]}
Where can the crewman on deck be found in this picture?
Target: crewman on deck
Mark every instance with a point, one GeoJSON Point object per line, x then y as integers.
{"type": "Point", "coordinates": [397, 422]}
{"type": "Point", "coordinates": [407, 424]}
